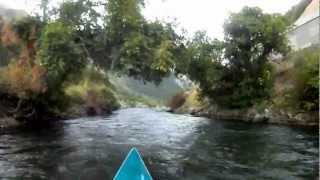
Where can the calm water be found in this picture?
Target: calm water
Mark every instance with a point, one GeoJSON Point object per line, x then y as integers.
{"type": "Point", "coordinates": [174, 147]}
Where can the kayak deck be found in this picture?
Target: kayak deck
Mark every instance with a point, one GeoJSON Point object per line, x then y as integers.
{"type": "Point", "coordinates": [133, 168]}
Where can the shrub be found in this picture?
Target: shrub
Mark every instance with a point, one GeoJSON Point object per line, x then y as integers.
{"type": "Point", "coordinates": [297, 80]}
{"type": "Point", "coordinates": [306, 78]}
{"type": "Point", "coordinates": [24, 80]}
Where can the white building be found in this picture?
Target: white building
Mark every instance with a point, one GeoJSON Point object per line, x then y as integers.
{"type": "Point", "coordinates": [306, 29]}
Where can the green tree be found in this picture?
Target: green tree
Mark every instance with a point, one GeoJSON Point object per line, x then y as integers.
{"type": "Point", "coordinates": [236, 73]}
{"type": "Point", "coordinates": [59, 54]}
{"type": "Point", "coordinates": [201, 60]}
{"type": "Point", "coordinates": [141, 49]}
{"type": "Point", "coordinates": [123, 17]}
{"type": "Point", "coordinates": [125, 38]}
{"type": "Point", "coordinates": [250, 37]}
{"type": "Point", "coordinates": [80, 14]}
{"type": "Point", "coordinates": [83, 17]}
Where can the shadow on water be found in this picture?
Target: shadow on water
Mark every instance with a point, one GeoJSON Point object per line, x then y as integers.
{"type": "Point", "coordinates": [174, 147]}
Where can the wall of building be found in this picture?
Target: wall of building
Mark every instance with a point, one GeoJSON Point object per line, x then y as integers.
{"type": "Point", "coordinates": [306, 34]}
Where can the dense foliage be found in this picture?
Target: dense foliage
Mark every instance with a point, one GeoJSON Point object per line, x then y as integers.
{"type": "Point", "coordinates": [45, 53]}
{"type": "Point", "coordinates": [22, 81]}
{"type": "Point", "coordinates": [236, 73]}
{"type": "Point", "coordinates": [59, 54]}
{"type": "Point", "coordinates": [138, 48]}
{"type": "Point", "coordinates": [201, 61]}
{"type": "Point", "coordinates": [305, 92]}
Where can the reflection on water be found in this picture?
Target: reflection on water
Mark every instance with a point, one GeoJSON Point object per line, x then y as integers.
{"type": "Point", "coordinates": [173, 147]}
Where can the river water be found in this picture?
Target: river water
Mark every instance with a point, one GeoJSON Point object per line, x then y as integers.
{"type": "Point", "coordinates": [174, 147]}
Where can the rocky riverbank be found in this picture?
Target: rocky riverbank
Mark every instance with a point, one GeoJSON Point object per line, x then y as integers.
{"type": "Point", "coordinates": [75, 111]}
{"type": "Point", "coordinates": [266, 112]}
{"type": "Point", "coordinates": [268, 115]}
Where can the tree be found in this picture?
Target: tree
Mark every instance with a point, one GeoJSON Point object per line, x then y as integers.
{"type": "Point", "coordinates": [141, 49]}
{"type": "Point", "coordinates": [124, 23]}
{"type": "Point", "coordinates": [83, 18]}
{"type": "Point", "coordinates": [123, 17]}
{"type": "Point", "coordinates": [236, 73]}
{"type": "Point", "coordinates": [201, 60]}
{"type": "Point", "coordinates": [250, 37]}
{"type": "Point", "coordinates": [59, 54]}
{"type": "Point", "coordinates": [80, 14]}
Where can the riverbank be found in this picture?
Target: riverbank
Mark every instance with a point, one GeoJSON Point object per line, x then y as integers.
{"type": "Point", "coordinates": [310, 119]}
{"type": "Point", "coordinates": [72, 112]}
{"type": "Point", "coordinates": [255, 114]}
{"type": "Point", "coordinates": [293, 100]}
{"type": "Point", "coordinates": [267, 113]}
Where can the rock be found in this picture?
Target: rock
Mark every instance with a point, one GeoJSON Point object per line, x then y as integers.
{"type": "Point", "coordinates": [307, 118]}
{"type": "Point", "coordinates": [267, 113]}
{"type": "Point", "coordinates": [268, 116]}
{"type": "Point", "coordinates": [258, 118]}
{"type": "Point", "coordinates": [194, 111]}
{"type": "Point", "coordinates": [6, 122]}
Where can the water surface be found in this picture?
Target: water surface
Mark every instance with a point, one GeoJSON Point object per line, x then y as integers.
{"type": "Point", "coordinates": [174, 147]}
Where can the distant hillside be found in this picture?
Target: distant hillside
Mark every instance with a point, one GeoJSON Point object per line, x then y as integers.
{"type": "Point", "coordinates": [160, 94]}
{"type": "Point", "coordinates": [293, 14]}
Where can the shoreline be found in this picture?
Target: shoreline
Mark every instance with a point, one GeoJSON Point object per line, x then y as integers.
{"type": "Point", "coordinates": [302, 119]}
{"type": "Point", "coordinates": [268, 116]}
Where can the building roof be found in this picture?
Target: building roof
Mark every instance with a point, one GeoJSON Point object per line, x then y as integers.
{"type": "Point", "coordinates": [311, 12]}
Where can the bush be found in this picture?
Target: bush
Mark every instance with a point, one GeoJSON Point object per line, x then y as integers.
{"type": "Point", "coordinates": [305, 74]}
{"type": "Point", "coordinates": [251, 90]}
{"type": "Point", "coordinates": [24, 80]}
{"type": "Point", "coordinates": [297, 81]}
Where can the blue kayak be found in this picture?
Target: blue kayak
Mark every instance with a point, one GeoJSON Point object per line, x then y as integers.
{"type": "Point", "coordinates": [133, 168]}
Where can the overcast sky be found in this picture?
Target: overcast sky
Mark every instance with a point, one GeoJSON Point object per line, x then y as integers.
{"type": "Point", "coordinates": [191, 15]}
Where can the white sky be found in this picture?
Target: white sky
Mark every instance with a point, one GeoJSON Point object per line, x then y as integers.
{"type": "Point", "coordinates": [191, 15]}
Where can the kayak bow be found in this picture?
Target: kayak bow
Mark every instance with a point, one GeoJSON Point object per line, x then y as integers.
{"type": "Point", "coordinates": [133, 168]}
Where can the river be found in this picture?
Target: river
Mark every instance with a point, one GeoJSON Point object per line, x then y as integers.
{"type": "Point", "coordinates": [174, 147]}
